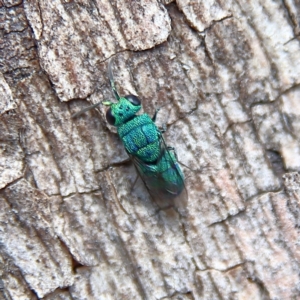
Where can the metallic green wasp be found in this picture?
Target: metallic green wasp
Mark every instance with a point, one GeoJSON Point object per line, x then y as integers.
{"type": "Point", "coordinates": [155, 162]}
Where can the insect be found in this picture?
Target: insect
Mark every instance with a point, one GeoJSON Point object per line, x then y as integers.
{"type": "Point", "coordinates": [156, 163]}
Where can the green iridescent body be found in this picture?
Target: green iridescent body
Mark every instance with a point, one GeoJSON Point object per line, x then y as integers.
{"type": "Point", "coordinates": [155, 162]}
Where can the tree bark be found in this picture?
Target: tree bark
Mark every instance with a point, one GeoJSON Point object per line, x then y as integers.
{"type": "Point", "coordinates": [226, 74]}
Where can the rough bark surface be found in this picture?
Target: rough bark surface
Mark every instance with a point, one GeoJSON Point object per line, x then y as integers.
{"type": "Point", "coordinates": [226, 75]}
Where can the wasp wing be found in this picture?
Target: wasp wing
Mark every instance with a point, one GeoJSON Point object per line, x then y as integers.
{"type": "Point", "coordinates": [163, 178]}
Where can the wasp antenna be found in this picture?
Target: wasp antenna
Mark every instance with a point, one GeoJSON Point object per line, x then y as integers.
{"type": "Point", "coordinates": [111, 79]}
{"type": "Point", "coordinates": [85, 109]}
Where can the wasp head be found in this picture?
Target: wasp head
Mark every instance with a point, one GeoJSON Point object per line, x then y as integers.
{"type": "Point", "coordinates": [122, 111]}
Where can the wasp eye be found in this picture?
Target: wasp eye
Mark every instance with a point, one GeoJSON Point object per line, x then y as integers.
{"type": "Point", "coordinates": [110, 117]}
{"type": "Point", "coordinates": [134, 100]}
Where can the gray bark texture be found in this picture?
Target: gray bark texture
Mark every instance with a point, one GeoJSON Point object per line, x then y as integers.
{"type": "Point", "coordinates": [226, 75]}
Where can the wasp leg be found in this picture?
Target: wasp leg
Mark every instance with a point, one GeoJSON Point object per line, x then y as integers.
{"type": "Point", "coordinates": [162, 128]}
{"type": "Point", "coordinates": [155, 114]}
{"type": "Point", "coordinates": [135, 180]}
{"type": "Point", "coordinates": [85, 109]}
{"type": "Point", "coordinates": [174, 151]}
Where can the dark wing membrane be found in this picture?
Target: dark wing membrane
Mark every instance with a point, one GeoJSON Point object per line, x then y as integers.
{"type": "Point", "coordinates": [164, 178]}
{"type": "Point", "coordinates": [171, 170]}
